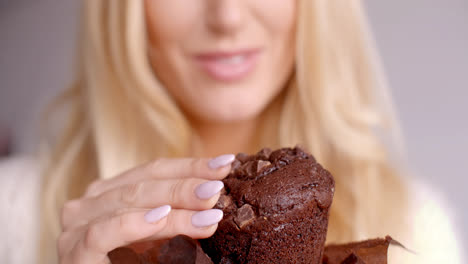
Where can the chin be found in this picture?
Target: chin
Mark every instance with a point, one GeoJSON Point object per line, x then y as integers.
{"type": "Point", "coordinates": [222, 103]}
{"type": "Point", "coordinates": [233, 114]}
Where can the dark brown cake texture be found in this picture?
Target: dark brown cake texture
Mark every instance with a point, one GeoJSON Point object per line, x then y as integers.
{"type": "Point", "coordinates": [275, 207]}
{"type": "Point", "coordinates": [184, 250]}
{"type": "Point", "coordinates": [372, 251]}
{"type": "Point", "coordinates": [179, 250]}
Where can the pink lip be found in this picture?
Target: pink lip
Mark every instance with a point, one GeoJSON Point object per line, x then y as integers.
{"type": "Point", "coordinates": [228, 72]}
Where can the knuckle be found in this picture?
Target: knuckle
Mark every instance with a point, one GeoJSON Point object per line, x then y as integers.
{"type": "Point", "coordinates": [91, 238]}
{"type": "Point", "coordinates": [129, 193]}
{"type": "Point", "coordinates": [179, 223]}
{"type": "Point", "coordinates": [77, 256]}
{"type": "Point", "coordinates": [175, 192]}
{"type": "Point", "coordinates": [154, 166]}
{"type": "Point", "coordinates": [121, 211]}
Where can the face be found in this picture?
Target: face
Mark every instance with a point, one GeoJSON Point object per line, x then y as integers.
{"type": "Point", "coordinates": [222, 60]}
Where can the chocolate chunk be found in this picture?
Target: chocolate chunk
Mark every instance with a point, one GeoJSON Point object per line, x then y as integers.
{"type": "Point", "coordinates": [299, 151]}
{"type": "Point", "coordinates": [264, 154]}
{"type": "Point", "coordinates": [245, 216]}
{"type": "Point", "coordinates": [124, 255]}
{"type": "Point", "coordinates": [282, 157]}
{"type": "Point", "coordinates": [248, 170]}
{"type": "Point", "coordinates": [235, 165]}
{"type": "Point", "coordinates": [276, 155]}
{"type": "Point", "coordinates": [251, 169]}
{"type": "Point", "coordinates": [223, 202]}
{"type": "Point", "coordinates": [242, 157]}
{"type": "Point", "coordinates": [261, 164]}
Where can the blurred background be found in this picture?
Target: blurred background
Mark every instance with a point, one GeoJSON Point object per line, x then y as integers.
{"type": "Point", "coordinates": [423, 43]}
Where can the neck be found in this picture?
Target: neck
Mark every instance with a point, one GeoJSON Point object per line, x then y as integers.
{"type": "Point", "coordinates": [220, 138]}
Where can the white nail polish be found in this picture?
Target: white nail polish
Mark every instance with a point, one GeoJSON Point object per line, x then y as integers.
{"type": "Point", "coordinates": [221, 161]}
{"type": "Point", "coordinates": [209, 189]}
{"type": "Point", "coordinates": [157, 214]}
{"type": "Point", "coordinates": [207, 218]}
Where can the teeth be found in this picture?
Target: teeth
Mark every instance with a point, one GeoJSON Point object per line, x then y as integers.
{"type": "Point", "coordinates": [232, 60]}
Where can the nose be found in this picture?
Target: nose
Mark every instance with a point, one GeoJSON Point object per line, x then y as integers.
{"type": "Point", "coordinates": [225, 16]}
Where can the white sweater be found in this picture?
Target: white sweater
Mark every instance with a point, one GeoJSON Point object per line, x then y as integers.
{"type": "Point", "coordinates": [433, 236]}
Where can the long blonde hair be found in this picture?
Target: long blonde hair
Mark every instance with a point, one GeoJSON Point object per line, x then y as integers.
{"type": "Point", "coordinates": [336, 105]}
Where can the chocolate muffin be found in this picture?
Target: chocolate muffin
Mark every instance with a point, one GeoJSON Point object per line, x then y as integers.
{"type": "Point", "coordinates": [275, 207]}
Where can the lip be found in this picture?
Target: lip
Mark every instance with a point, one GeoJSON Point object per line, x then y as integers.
{"type": "Point", "coordinates": [228, 66]}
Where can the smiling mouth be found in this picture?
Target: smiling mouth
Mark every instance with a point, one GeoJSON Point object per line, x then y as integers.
{"type": "Point", "coordinates": [228, 66]}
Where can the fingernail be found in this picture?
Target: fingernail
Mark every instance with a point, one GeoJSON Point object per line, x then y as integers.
{"type": "Point", "coordinates": [221, 161]}
{"type": "Point", "coordinates": [157, 214]}
{"type": "Point", "coordinates": [208, 189]}
{"type": "Point", "coordinates": [207, 218]}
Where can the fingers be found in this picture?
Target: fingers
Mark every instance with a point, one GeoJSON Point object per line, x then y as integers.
{"type": "Point", "coordinates": [104, 235]}
{"type": "Point", "coordinates": [210, 169]}
{"type": "Point", "coordinates": [194, 224]}
{"type": "Point", "coordinates": [192, 194]}
{"type": "Point", "coordinates": [92, 243]}
{"type": "Point", "coordinates": [114, 212]}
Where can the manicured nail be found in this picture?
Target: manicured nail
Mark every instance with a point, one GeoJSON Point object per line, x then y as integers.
{"type": "Point", "coordinates": [208, 189]}
{"type": "Point", "coordinates": [157, 214]}
{"type": "Point", "coordinates": [221, 161]}
{"type": "Point", "coordinates": [207, 218]}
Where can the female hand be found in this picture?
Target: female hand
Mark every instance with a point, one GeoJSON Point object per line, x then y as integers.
{"type": "Point", "coordinates": [155, 201]}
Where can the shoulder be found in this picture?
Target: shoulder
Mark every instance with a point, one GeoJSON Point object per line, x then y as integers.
{"type": "Point", "coordinates": [433, 235]}
{"type": "Point", "coordinates": [19, 200]}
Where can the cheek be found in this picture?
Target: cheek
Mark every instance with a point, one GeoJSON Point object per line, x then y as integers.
{"type": "Point", "coordinates": [169, 21]}
{"type": "Point", "coordinates": [169, 24]}
{"type": "Point", "coordinates": [278, 21]}
{"type": "Point", "coordinates": [277, 16]}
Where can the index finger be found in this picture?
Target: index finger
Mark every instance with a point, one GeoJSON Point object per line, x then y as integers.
{"type": "Point", "coordinates": [164, 168]}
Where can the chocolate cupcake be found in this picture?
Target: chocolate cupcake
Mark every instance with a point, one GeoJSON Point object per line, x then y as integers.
{"type": "Point", "coordinates": [275, 207]}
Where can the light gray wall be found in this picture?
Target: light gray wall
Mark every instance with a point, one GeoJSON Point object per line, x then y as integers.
{"type": "Point", "coordinates": [423, 44]}
{"type": "Point", "coordinates": [36, 52]}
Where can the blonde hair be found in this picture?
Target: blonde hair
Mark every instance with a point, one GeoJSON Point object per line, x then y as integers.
{"type": "Point", "coordinates": [335, 105]}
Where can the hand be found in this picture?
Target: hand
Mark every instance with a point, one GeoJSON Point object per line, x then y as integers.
{"type": "Point", "coordinates": [118, 211]}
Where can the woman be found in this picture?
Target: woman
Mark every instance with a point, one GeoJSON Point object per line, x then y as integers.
{"type": "Point", "coordinates": [168, 83]}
